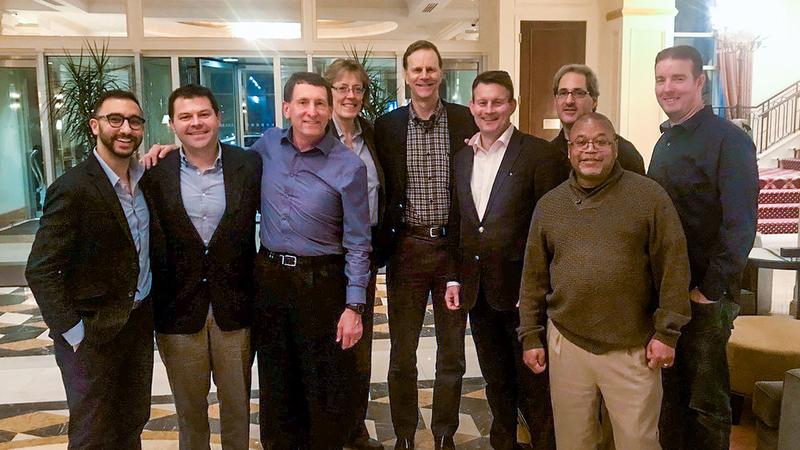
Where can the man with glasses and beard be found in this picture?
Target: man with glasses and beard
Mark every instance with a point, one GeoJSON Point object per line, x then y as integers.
{"type": "Point", "coordinates": [89, 271]}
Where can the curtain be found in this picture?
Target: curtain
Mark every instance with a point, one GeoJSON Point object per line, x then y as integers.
{"type": "Point", "coordinates": [735, 61]}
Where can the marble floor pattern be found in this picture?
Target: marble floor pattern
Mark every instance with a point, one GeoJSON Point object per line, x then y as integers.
{"type": "Point", "coordinates": [33, 411]}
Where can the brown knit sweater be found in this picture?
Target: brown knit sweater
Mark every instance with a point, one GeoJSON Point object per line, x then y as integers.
{"type": "Point", "coordinates": [608, 266]}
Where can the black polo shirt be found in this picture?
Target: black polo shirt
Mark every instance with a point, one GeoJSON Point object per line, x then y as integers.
{"type": "Point", "coordinates": [707, 165]}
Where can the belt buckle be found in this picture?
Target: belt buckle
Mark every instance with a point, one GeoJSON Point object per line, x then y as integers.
{"type": "Point", "coordinates": [430, 232]}
{"type": "Point", "coordinates": [288, 260]}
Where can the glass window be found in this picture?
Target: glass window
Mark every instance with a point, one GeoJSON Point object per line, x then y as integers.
{"type": "Point", "coordinates": [156, 87]}
{"type": "Point", "coordinates": [22, 180]}
{"type": "Point", "coordinates": [280, 19]}
{"type": "Point", "coordinates": [391, 19]}
{"type": "Point", "coordinates": [290, 66]}
{"type": "Point", "coordinates": [63, 18]}
{"type": "Point", "coordinates": [69, 150]}
{"type": "Point", "coordinates": [457, 83]}
{"type": "Point", "coordinates": [258, 113]}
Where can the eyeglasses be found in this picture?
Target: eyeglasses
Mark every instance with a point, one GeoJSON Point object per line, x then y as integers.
{"type": "Point", "coordinates": [577, 94]}
{"type": "Point", "coordinates": [116, 121]}
{"type": "Point", "coordinates": [599, 143]}
{"type": "Point", "coordinates": [344, 89]}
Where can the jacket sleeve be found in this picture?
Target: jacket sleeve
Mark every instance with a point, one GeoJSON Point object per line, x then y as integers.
{"type": "Point", "coordinates": [534, 287]}
{"type": "Point", "coordinates": [49, 257]}
{"type": "Point", "coordinates": [669, 264]}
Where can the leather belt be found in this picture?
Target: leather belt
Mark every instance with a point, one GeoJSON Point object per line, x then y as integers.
{"type": "Point", "coordinates": [427, 232]}
{"type": "Point", "coordinates": [289, 260]}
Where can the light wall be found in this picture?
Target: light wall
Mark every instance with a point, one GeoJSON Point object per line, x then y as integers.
{"type": "Point", "coordinates": [776, 64]}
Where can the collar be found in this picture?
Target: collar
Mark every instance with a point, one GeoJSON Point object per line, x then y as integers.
{"type": "Point", "coordinates": [338, 127]}
{"type": "Point", "coordinates": [135, 171]}
{"type": "Point", "coordinates": [691, 123]}
{"type": "Point", "coordinates": [475, 141]}
{"type": "Point", "coordinates": [217, 162]}
{"type": "Point", "coordinates": [613, 177]}
{"type": "Point", "coordinates": [434, 117]}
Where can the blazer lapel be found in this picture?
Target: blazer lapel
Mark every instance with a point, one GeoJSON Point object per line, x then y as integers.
{"type": "Point", "coordinates": [231, 165]}
{"type": "Point", "coordinates": [464, 179]}
{"type": "Point", "coordinates": [109, 195]}
{"type": "Point", "coordinates": [172, 193]}
{"type": "Point", "coordinates": [506, 169]}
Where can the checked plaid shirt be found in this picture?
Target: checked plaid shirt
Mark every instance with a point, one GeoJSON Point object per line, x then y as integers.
{"type": "Point", "coordinates": [428, 187]}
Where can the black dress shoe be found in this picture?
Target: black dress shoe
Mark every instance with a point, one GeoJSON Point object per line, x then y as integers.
{"type": "Point", "coordinates": [444, 443]}
{"type": "Point", "coordinates": [404, 444]}
{"type": "Point", "coordinates": [364, 442]}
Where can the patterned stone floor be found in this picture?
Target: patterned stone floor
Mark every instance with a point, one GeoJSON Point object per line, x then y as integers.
{"type": "Point", "coordinates": [26, 423]}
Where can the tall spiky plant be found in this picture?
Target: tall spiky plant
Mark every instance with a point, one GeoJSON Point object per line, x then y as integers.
{"type": "Point", "coordinates": [379, 96]}
{"type": "Point", "coordinates": [88, 75]}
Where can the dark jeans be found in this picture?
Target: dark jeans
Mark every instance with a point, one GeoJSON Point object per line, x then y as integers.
{"type": "Point", "coordinates": [510, 384]}
{"type": "Point", "coordinates": [363, 351]}
{"type": "Point", "coordinates": [696, 411]}
{"type": "Point", "coordinates": [416, 270]}
{"type": "Point", "coordinates": [304, 375]}
{"type": "Point", "coordinates": [108, 385]}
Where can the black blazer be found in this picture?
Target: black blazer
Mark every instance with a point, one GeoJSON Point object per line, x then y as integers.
{"type": "Point", "coordinates": [192, 277]}
{"type": "Point", "coordinates": [368, 133]}
{"type": "Point", "coordinates": [391, 131]}
{"type": "Point", "coordinates": [83, 264]}
{"type": "Point", "coordinates": [492, 250]}
{"type": "Point", "coordinates": [627, 155]}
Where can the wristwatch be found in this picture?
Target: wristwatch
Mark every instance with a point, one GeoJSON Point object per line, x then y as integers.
{"type": "Point", "coordinates": [358, 308]}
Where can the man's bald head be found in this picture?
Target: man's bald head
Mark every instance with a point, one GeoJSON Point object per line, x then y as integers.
{"type": "Point", "coordinates": [597, 118]}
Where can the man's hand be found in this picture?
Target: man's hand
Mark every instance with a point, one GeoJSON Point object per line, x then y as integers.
{"type": "Point", "coordinates": [535, 359]}
{"type": "Point", "coordinates": [157, 152]}
{"type": "Point", "coordinates": [349, 329]}
{"type": "Point", "coordinates": [452, 298]}
{"type": "Point", "coordinates": [659, 355]}
{"type": "Point", "coordinates": [696, 296]}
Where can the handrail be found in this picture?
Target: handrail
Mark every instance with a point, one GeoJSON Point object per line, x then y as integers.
{"type": "Point", "coordinates": [772, 120]}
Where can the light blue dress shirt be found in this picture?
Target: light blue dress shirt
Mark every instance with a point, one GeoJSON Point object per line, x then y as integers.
{"type": "Point", "coordinates": [203, 195]}
{"type": "Point", "coordinates": [137, 215]}
{"type": "Point", "coordinates": [360, 149]}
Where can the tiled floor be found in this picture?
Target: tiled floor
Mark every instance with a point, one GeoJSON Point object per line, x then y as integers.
{"type": "Point", "coordinates": [33, 407]}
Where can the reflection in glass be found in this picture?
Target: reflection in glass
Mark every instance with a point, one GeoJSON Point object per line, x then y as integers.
{"type": "Point", "coordinates": [220, 77]}
{"type": "Point", "coordinates": [258, 113]}
{"type": "Point", "coordinates": [63, 18]}
{"type": "Point", "coordinates": [156, 87]}
{"type": "Point", "coordinates": [290, 66]}
{"type": "Point", "coordinates": [66, 153]}
{"type": "Point", "coordinates": [22, 180]}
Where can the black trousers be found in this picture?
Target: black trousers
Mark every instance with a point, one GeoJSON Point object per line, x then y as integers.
{"type": "Point", "coordinates": [363, 351]}
{"type": "Point", "coordinates": [510, 384]}
{"type": "Point", "coordinates": [416, 270]}
{"type": "Point", "coordinates": [304, 375]}
{"type": "Point", "coordinates": [108, 385]}
{"type": "Point", "coordinates": [696, 411]}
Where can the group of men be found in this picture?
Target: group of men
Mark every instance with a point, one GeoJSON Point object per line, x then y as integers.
{"type": "Point", "coordinates": [576, 271]}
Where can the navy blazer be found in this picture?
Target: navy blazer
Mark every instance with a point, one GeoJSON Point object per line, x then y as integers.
{"type": "Point", "coordinates": [190, 277]}
{"type": "Point", "coordinates": [492, 250]}
{"type": "Point", "coordinates": [391, 131]}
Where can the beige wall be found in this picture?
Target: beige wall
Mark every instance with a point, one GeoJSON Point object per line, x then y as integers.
{"type": "Point", "coordinates": [622, 39]}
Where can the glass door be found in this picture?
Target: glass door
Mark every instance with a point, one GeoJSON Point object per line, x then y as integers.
{"type": "Point", "coordinates": [22, 180]}
{"type": "Point", "coordinates": [221, 78]}
{"type": "Point", "coordinates": [258, 90]}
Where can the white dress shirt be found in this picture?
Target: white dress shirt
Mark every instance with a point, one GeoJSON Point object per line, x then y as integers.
{"type": "Point", "coordinates": [485, 165]}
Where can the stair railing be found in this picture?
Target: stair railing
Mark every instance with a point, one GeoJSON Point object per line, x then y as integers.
{"type": "Point", "coordinates": [772, 120]}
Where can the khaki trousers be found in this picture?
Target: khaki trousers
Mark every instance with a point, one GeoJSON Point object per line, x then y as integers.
{"type": "Point", "coordinates": [630, 390]}
{"type": "Point", "coordinates": [191, 360]}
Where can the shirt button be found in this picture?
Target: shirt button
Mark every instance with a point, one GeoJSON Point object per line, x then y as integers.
{"type": "Point", "coordinates": [205, 252]}
{"type": "Point", "coordinates": [669, 143]}
{"type": "Point", "coordinates": [205, 280]}
{"type": "Point", "coordinates": [131, 294]}
{"type": "Point", "coordinates": [480, 229]}
{"type": "Point", "coordinates": [477, 258]}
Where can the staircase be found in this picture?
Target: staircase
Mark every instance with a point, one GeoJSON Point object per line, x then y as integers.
{"type": "Point", "coordinates": [779, 198]}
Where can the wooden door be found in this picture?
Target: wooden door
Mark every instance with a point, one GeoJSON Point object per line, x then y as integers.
{"type": "Point", "coordinates": [545, 47]}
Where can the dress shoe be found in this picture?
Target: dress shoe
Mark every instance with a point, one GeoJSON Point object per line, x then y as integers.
{"type": "Point", "coordinates": [444, 443]}
{"type": "Point", "coordinates": [364, 442]}
{"type": "Point", "coordinates": [404, 444]}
